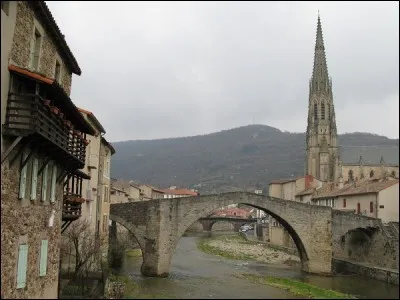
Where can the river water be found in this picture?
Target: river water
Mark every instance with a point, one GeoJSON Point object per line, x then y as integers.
{"type": "Point", "coordinates": [195, 274]}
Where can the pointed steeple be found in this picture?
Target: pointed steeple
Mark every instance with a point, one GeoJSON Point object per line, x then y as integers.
{"type": "Point", "coordinates": [320, 78]}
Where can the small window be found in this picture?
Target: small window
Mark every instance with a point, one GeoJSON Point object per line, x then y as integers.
{"type": "Point", "coordinates": [371, 207]}
{"type": "Point", "coordinates": [393, 173]}
{"type": "Point", "coordinates": [315, 111]}
{"type": "Point", "coordinates": [358, 208]}
{"type": "Point", "coordinates": [351, 177]}
{"type": "Point", "coordinates": [381, 206]}
{"type": "Point", "coordinates": [35, 49]}
{"type": "Point", "coordinates": [344, 202]}
{"type": "Point", "coordinates": [22, 266]}
{"type": "Point", "coordinates": [323, 111]}
{"type": "Point", "coordinates": [5, 6]}
{"type": "Point", "coordinates": [43, 258]}
{"type": "Point", "coordinates": [371, 174]}
{"type": "Point", "coordinates": [57, 73]}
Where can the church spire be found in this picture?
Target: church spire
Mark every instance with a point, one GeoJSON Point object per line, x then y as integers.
{"type": "Point", "coordinates": [320, 78]}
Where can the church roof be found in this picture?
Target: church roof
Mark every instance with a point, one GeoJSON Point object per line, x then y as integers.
{"type": "Point", "coordinates": [371, 155]}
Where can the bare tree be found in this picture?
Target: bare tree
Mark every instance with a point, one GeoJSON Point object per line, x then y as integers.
{"type": "Point", "coordinates": [87, 247]}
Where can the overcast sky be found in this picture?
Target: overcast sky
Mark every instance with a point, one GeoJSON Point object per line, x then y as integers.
{"type": "Point", "coordinates": [167, 69]}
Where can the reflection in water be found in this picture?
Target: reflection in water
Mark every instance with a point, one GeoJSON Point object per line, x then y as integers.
{"type": "Point", "coordinates": [195, 274]}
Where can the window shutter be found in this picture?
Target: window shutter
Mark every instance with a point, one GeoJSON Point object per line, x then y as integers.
{"type": "Point", "coordinates": [22, 266]}
{"type": "Point", "coordinates": [34, 179]}
{"type": "Point", "coordinates": [44, 183]}
{"type": "Point", "coordinates": [32, 51]}
{"type": "Point", "coordinates": [22, 181]}
{"type": "Point", "coordinates": [43, 257]}
{"type": "Point", "coordinates": [53, 183]}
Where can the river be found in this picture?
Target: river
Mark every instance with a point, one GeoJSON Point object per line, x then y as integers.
{"type": "Point", "coordinates": [195, 274]}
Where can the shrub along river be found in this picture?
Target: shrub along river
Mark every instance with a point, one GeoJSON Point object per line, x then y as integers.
{"type": "Point", "coordinates": [200, 274]}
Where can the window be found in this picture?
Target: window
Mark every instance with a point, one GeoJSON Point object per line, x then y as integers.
{"type": "Point", "coordinates": [323, 111]}
{"type": "Point", "coordinates": [106, 194]}
{"type": "Point", "coordinates": [371, 174]}
{"type": "Point", "coordinates": [105, 223]}
{"type": "Point", "coordinates": [22, 266]}
{"type": "Point", "coordinates": [44, 182]}
{"type": "Point", "coordinates": [371, 207]}
{"type": "Point", "coordinates": [43, 257]}
{"type": "Point", "coordinates": [351, 178]}
{"type": "Point", "coordinates": [393, 173]}
{"type": "Point", "coordinates": [34, 179]}
{"type": "Point", "coordinates": [5, 6]}
{"type": "Point", "coordinates": [358, 208]}
{"type": "Point", "coordinates": [35, 49]}
{"type": "Point", "coordinates": [53, 183]}
{"type": "Point", "coordinates": [344, 202]}
{"type": "Point", "coordinates": [57, 72]}
{"type": "Point", "coordinates": [22, 181]}
{"type": "Point", "coordinates": [381, 206]}
{"type": "Point", "coordinates": [315, 111]}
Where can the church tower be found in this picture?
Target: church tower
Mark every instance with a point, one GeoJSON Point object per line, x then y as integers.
{"type": "Point", "coordinates": [322, 158]}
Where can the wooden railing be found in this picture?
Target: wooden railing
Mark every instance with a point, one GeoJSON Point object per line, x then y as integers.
{"type": "Point", "coordinates": [72, 210]}
{"type": "Point", "coordinates": [27, 114]}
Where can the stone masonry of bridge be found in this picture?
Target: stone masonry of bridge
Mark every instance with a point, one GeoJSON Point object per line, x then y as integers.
{"type": "Point", "coordinates": [159, 224]}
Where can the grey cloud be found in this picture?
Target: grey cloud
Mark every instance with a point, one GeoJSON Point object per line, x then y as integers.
{"type": "Point", "coordinates": [159, 69]}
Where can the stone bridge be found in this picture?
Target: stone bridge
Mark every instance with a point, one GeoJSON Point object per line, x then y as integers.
{"type": "Point", "coordinates": [208, 222]}
{"type": "Point", "coordinates": [158, 225]}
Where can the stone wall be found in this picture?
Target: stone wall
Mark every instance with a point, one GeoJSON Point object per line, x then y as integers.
{"type": "Point", "coordinates": [363, 239]}
{"type": "Point", "coordinates": [20, 51]}
{"type": "Point", "coordinates": [26, 222]}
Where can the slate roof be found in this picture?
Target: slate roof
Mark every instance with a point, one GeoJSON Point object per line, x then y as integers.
{"type": "Point", "coordinates": [371, 154]}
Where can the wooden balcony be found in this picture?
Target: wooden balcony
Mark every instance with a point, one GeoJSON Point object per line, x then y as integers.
{"type": "Point", "coordinates": [27, 115]}
{"type": "Point", "coordinates": [72, 209]}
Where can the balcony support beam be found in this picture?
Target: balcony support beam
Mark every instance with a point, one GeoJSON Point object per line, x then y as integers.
{"type": "Point", "coordinates": [6, 153]}
{"type": "Point", "coordinates": [44, 165]}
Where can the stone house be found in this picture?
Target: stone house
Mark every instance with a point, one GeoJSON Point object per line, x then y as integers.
{"type": "Point", "coordinates": [377, 198]}
{"type": "Point", "coordinates": [173, 192]}
{"type": "Point", "coordinates": [103, 195]}
{"type": "Point", "coordinates": [151, 192]}
{"type": "Point", "coordinates": [131, 190]}
{"type": "Point", "coordinates": [43, 143]}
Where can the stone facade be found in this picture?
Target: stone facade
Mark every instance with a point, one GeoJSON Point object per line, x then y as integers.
{"type": "Point", "coordinates": [26, 21]}
{"type": "Point", "coordinates": [322, 160]}
{"type": "Point", "coordinates": [27, 222]}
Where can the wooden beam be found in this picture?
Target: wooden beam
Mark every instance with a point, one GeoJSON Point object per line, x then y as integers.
{"type": "Point", "coordinates": [44, 165]}
{"type": "Point", "coordinates": [62, 174]}
{"type": "Point", "coordinates": [66, 183]}
{"type": "Point", "coordinates": [26, 159]}
{"type": "Point", "coordinates": [5, 154]}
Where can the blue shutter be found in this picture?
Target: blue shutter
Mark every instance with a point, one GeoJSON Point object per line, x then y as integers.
{"type": "Point", "coordinates": [22, 266]}
{"type": "Point", "coordinates": [43, 258]}
{"type": "Point", "coordinates": [22, 181]}
{"type": "Point", "coordinates": [53, 183]}
{"type": "Point", "coordinates": [34, 179]}
{"type": "Point", "coordinates": [44, 183]}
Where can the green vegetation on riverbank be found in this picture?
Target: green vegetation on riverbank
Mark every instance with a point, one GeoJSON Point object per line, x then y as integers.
{"type": "Point", "coordinates": [296, 287]}
{"type": "Point", "coordinates": [204, 245]}
{"type": "Point", "coordinates": [133, 253]}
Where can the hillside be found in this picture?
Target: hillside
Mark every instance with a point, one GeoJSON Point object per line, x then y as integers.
{"type": "Point", "coordinates": [239, 158]}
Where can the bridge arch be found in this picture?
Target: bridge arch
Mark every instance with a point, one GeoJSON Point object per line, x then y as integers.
{"type": "Point", "coordinates": [166, 220]}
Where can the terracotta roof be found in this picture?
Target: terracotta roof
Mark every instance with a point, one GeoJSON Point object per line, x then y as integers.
{"type": "Point", "coordinates": [94, 119]}
{"type": "Point", "coordinates": [281, 181]}
{"type": "Point", "coordinates": [306, 192]}
{"type": "Point", "coordinates": [180, 192]}
{"type": "Point", "coordinates": [61, 99]}
{"type": "Point", "coordinates": [360, 187]}
{"type": "Point", "coordinates": [43, 12]}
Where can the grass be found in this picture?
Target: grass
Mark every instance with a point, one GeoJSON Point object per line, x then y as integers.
{"type": "Point", "coordinates": [296, 287]}
{"type": "Point", "coordinates": [204, 245]}
{"type": "Point", "coordinates": [133, 253]}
